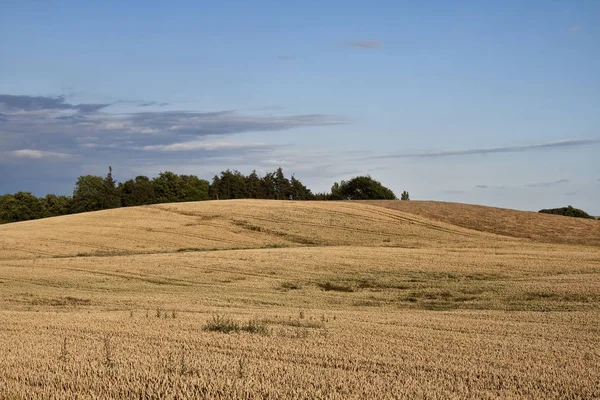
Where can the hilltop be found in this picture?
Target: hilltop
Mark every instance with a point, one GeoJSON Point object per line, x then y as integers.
{"type": "Point", "coordinates": [255, 224]}
{"type": "Point", "coordinates": [539, 227]}
{"type": "Point", "coordinates": [226, 225]}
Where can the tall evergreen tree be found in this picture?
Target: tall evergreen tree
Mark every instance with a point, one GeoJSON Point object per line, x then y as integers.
{"type": "Point", "coordinates": [282, 185]}
{"type": "Point", "coordinates": [111, 194]}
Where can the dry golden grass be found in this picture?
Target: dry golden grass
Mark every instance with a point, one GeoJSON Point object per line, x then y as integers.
{"type": "Point", "coordinates": [521, 224]}
{"type": "Point", "coordinates": [345, 301]}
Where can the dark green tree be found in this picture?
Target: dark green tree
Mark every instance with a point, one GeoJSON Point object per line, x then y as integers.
{"type": "Point", "coordinates": [192, 188]}
{"type": "Point", "coordinates": [282, 185]}
{"type": "Point", "coordinates": [404, 196]}
{"type": "Point", "coordinates": [569, 211]}
{"type": "Point", "coordinates": [254, 188]}
{"type": "Point", "coordinates": [112, 199]}
{"type": "Point", "coordinates": [361, 188]}
{"type": "Point", "coordinates": [269, 186]}
{"type": "Point", "coordinates": [21, 206]}
{"type": "Point", "coordinates": [56, 205]}
{"type": "Point", "coordinates": [214, 188]}
{"type": "Point", "coordinates": [299, 191]}
{"type": "Point", "coordinates": [88, 194]}
{"type": "Point", "coordinates": [137, 192]}
{"type": "Point", "coordinates": [166, 187]}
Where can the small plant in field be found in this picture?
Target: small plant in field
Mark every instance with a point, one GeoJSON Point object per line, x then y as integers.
{"type": "Point", "coordinates": [158, 313]}
{"type": "Point", "coordinates": [182, 365]}
{"type": "Point", "coordinates": [301, 314]}
{"type": "Point", "coordinates": [108, 352]}
{"type": "Point", "coordinates": [130, 313]}
{"type": "Point", "coordinates": [301, 333]}
{"type": "Point", "coordinates": [241, 368]}
{"type": "Point", "coordinates": [64, 352]}
{"type": "Point", "coordinates": [222, 323]}
{"type": "Point", "coordinates": [147, 313]}
{"type": "Point", "coordinates": [255, 326]}
{"type": "Point", "coordinates": [173, 315]}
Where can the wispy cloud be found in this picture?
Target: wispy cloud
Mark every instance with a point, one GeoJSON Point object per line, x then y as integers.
{"type": "Point", "coordinates": [38, 103]}
{"type": "Point", "coordinates": [547, 184]}
{"type": "Point", "coordinates": [208, 146]}
{"type": "Point", "coordinates": [39, 155]}
{"type": "Point", "coordinates": [490, 150]}
{"type": "Point", "coordinates": [152, 104]}
{"type": "Point", "coordinates": [363, 44]}
{"type": "Point", "coordinates": [28, 120]}
{"type": "Point", "coordinates": [489, 187]}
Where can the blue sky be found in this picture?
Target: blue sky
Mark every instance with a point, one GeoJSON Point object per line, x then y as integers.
{"type": "Point", "coordinates": [496, 103]}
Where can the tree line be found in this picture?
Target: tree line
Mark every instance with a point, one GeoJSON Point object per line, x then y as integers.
{"type": "Point", "coordinates": [93, 193]}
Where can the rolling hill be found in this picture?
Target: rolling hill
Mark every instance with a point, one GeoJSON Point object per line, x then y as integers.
{"type": "Point", "coordinates": [248, 224]}
{"type": "Point", "coordinates": [250, 299]}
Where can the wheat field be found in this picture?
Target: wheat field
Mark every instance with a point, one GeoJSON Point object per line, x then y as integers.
{"type": "Point", "coordinates": [252, 299]}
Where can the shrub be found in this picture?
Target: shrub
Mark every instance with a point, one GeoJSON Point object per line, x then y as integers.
{"type": "Point", "coordinates": [222, 323]}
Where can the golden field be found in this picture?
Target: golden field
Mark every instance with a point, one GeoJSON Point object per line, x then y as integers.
{"type": "Point", "coordinates": [332, 300]}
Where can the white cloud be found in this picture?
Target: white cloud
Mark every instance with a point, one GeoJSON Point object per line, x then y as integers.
{"type": "Point", "coordinates": [207, 146]}
{"type": "Point", "coordinates": [39, 155]}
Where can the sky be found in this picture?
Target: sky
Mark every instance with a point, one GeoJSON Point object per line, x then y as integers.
{"type": "Point", "coordinates": [485, 102]}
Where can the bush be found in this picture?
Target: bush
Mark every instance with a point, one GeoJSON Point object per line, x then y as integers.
{"type": "Point", "coordinates": [222, 323]}
{"type": "Point", "coordinates": [569, 211]}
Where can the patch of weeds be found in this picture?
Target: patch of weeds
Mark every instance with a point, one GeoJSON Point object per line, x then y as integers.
{"type": "Point", "coordinates": [222, 323]}
{"type": "Point", "coordinates": [366, 303]}
{"type": "Point", "coordinates": [289, 286]}
{"type": "Point", "coordinates": [61, 302]}
{"type": "Point", "coordinates": [560, 297]}
{"type": "Point", "coordinates": [335, 286]}
{"type": "Point", "coordinates": [248, 226]}
{"type": "Point", "coordinates": [257, 327]}
{"type": "Point", "coordinates": [369, 283]}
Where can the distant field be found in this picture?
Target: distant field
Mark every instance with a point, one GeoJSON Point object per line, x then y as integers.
{"type": "Point", "coordinates": [521, 224]}
{"type": "Point", "coordinates": [330, 300]}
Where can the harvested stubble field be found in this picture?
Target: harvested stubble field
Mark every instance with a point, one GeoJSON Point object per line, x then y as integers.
{"type": "Point", "coordinates": [266, 299]}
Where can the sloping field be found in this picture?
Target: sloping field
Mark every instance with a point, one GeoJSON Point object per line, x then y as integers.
{"type": "Point", "coordinates": [217, 225]}
{"type": "Point", "coordinates": [266, 299]}
{"type": "Point", "coordinates": [521, 224]}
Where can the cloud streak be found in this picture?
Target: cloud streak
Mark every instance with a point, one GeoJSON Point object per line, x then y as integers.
{"type": "Point", "coordinates": [152, 103]}
{"type": "Point", "coordinates": [208, 146]}
{"type": "Point", "coordinates": [38, 155]}
{"type": "Point", "coordinates": [547, 184]}
{"type": "Point", "coordinates": [492, 150]}
{"type": "Point", "coordinates": [38, 103]}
